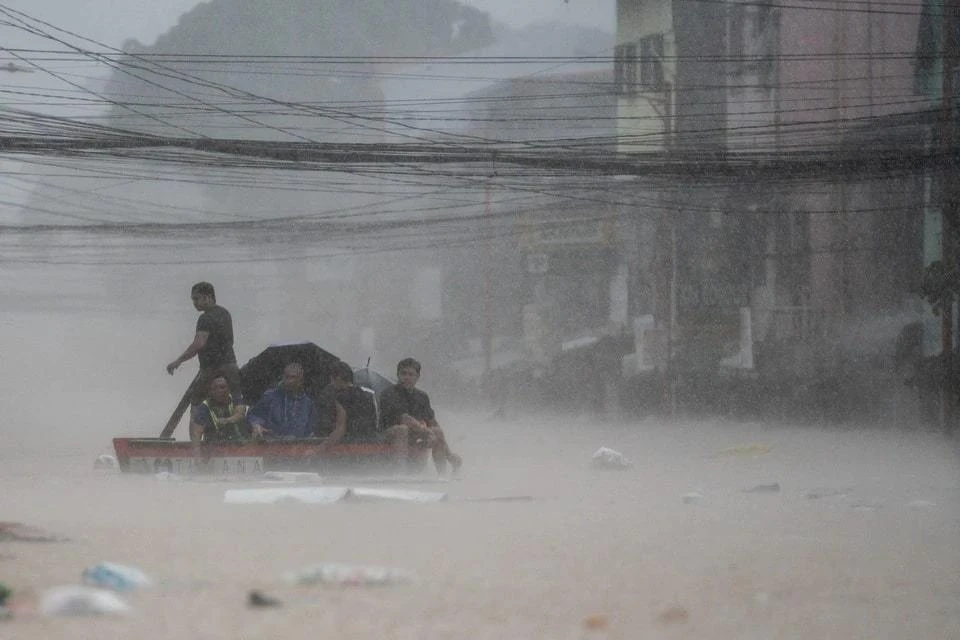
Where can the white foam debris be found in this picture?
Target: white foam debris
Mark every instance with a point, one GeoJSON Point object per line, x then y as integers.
{"type": "Point", "coordinates": [74, 600]}
{"type": "Point", "coordinates": [328, 495]}
{"type": "Point", "coordinates": [292, 476]}
{"type": "Point", "coordinates": [606, 458]}
{"type": "Point", "coordinates": [306, 495]}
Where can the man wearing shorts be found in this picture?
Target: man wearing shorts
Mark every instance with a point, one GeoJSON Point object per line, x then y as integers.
{"type": "Point", "coordinates": [404, 408]}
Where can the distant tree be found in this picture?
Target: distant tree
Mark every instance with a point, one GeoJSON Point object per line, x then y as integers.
{"type": "Point", "coordinates": [147, 92]}
{"type": "Point", "coordinates": [326, 27]}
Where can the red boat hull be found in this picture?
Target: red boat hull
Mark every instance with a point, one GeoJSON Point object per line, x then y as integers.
{"type": "Point", "coordinates": [154, 455]}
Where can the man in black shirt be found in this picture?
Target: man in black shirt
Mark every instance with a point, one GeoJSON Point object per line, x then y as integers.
{"type": "Point", "coordinates": [405, 408]}
{"type": "Point", "coordinates": [212, 343]}
{"type": "Point", "coordinates": [355, 413]}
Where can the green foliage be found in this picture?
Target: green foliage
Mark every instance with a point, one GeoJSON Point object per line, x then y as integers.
{"type": "Point", "coordinates": [317, 28]}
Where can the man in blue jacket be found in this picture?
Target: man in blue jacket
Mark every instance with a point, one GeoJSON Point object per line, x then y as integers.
{"type": "Point", "coordinates": [285, 411]}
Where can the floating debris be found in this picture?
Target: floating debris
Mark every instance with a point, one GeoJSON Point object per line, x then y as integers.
{"type": "Point", "coordinates": [17, 532]}
{"type": "Point", "coordinates": [281, 495]}
{"type": "Point", "coordinates": [743, 450]}
{"type": "Point", "coordinates": [328, 495]}
{"type": "Point", "coordinates": [816, 494]}
{"type": "Point", "coordinates": [259, 599]}
{"type": "Point", "coordinates": [394, 495]}
{"type": "Point", "coordinates": [334, 573]}
{"type": "Point", "coordinates": [117, 577]}
{"type": "Point", "coordinates": [764, 488]}
{"type": "Point", "coordinates": [606, 458]}
{"type": "Point", "coordinates": [674, 615]}
{"type": "Point", "coordinates": [503, 499]}
{"type": "Point", "coordinates": [596, 622]}
{"type": "Point", "coordinates": [73, 600]}
{"type": "Point", "coordinates": [292, 476]}
{"type": "Point", "coordinates": [105, 461]}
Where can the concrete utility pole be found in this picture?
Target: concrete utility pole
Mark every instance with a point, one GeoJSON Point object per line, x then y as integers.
{"type": "Point", "coordinates": [487, 330]}
{"type": "Point", "coordinates": [665, 274]}
{"type": "Point", "coordinates": [948, 202]}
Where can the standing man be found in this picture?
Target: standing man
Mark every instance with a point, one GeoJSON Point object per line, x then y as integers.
{"type": "Point", "coordinates": [404, 407]}
{"type": "Point", "coordinates": [212, 343]}
{"type": "Point", "coordinates": [285, 411]}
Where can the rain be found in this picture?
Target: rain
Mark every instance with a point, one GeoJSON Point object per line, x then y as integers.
{"type": "Point", "coordinates": [679, 278]}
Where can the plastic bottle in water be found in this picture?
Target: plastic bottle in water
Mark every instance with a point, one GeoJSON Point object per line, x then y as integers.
{"type": "Point", "coordinates": [334, 573]}
{"type": "Point", "coordinates": [117, 577]}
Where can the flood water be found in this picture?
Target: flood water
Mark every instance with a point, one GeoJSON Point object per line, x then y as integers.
{"type": "Point", "coordinates": [860, 541]}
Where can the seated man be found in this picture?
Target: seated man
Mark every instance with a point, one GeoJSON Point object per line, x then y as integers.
{"type": "Point", "coordinates": [324, 396]}
{"type": "Point", "coordinates": [355, 413]}
{"type": "Point", "coordinates": [407, 410]}
{"type": "Point", "coordinates": [217, 418]}
{"type": "Point", "coordinates": [356, 416]}
{"type": "Point", "coordinates": [285, 411]}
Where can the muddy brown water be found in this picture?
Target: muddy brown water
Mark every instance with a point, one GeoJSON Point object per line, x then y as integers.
{"type": "Point", "coordinates": [860, 541]}
{"type": "Point", "coordinates": [874, 556]}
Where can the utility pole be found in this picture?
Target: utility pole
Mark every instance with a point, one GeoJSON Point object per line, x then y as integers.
{"type": "Point", "coordinates": [487, 332]}
{"type": "Point", "coordinates": [665, 273]}
{"type": "Point", "coordinates": [948, 204]}
{"type": "Point", "coordinates": [664, 290]}
{"type": "Point", "coordinates": [870, 74]}
{"type": "Point", "coordinates": [841, 263]}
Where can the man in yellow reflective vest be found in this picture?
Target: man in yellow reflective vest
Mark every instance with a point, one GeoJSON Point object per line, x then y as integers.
{"type": "Point", "coordinates": [217, 418]}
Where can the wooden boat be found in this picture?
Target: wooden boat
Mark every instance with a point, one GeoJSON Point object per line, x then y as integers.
{"type": "Point", "coordinates": [232, 458]}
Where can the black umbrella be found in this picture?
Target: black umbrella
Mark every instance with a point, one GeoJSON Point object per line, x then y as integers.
{"type": "Point", "coordinates": [367, 377]}
{"type": "Point", "coordinates": [264, 370]}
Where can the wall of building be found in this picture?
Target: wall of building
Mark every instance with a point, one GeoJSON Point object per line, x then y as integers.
{"type": "Point", "coordinates": [872, 77]}
{"type": "Point", "coordinates": [645, 115]}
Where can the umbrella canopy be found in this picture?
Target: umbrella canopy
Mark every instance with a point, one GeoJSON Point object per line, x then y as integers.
{"type": "Point", "coordinates": [264, 370]}
{"type": "Point", "coordinates": [377, 382]}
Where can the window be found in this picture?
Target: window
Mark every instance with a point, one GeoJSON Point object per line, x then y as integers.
{"type": "Point", "coordinates": [639, 66]}
{"type": "Point", "coordinates": [736, 38]}
{"type": "Point", "coordinates": [625, 69]}
{"type": "Point", "coordinates": [752, 40]}
{"type": "Point", "coordinates": [651, 62]}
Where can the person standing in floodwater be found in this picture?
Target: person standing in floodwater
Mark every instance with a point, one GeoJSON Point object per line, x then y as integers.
{"type": "Point", "coordinates": [212, 344]}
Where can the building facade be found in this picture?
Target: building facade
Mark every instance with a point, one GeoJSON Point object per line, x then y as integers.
{"type": "Point", "coordinates": [761, 282]}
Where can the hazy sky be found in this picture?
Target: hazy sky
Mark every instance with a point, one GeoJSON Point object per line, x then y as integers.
{"type": "Point", "coordinates": [113, 21]}
{"type": "Point", "coordinates": [597, 13]}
